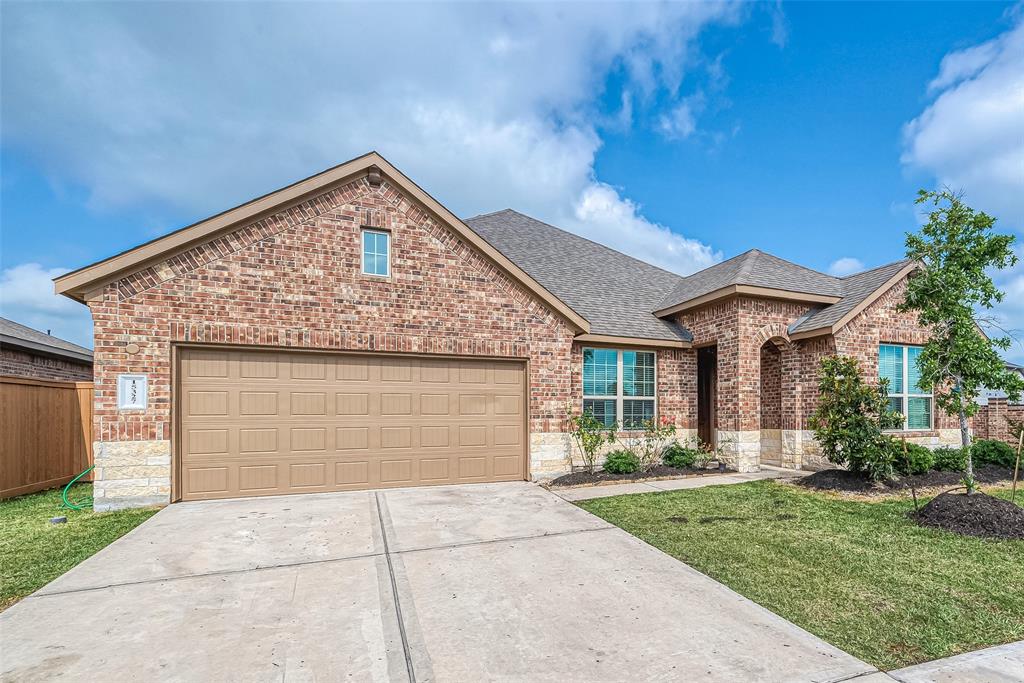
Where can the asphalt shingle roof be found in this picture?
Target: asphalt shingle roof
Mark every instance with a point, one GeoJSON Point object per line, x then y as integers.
{"type": "Point", "coordinates": [614, 292]}
{"type": "Point", "coordinates": [855, 289]}
{"type": "Point", "coordinates": [754, 268]}
{"type": "Point", "coordinates": [618, 294]}
{"type": "Point", "coordinates": [16, 334]}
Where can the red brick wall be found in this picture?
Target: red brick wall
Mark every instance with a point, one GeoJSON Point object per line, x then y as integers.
{"type": "Point", "coordinates": [881, 323]}
{"type": "Point", "coordinates": [718, 324]}
{"type": "Point", "coordinates": [992, 421]}
{"type": "Point", "coordinates": [16, 363]}
{"type": "Point", "coordinates": [294, 280]}
{"type": "Point", "coordinates": [741, 325]}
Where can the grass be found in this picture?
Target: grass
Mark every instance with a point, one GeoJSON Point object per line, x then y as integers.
{"type": "Point", "coordinates": [858, 574]}
{"type": "Point", "coordinates": [34, 552]}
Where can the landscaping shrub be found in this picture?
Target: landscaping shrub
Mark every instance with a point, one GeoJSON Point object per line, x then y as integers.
{"type": "Point", "coordinates": [621, 462]}
{"type": "Point", "coordinates": [679, 456]}
{"type": "Point", "coordinates": [989, 452]}
{"type": "Point", "coordinates": [588, 433]}
{"type": "Point", "coordinates": [850, 419]}
{"type": "Point", "coordinates": [949, 459]}
{"type": "Point", "coordinates": [916, 460]}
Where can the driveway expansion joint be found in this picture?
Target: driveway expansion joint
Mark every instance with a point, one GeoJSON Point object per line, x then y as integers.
{"type": "Point", "coordinates": [410, 669]}
{"type": "Point", "coordinates": [184, 577]}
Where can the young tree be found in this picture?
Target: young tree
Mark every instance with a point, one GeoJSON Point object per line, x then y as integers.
{"type": "Point", "coordinates": [957, 249]}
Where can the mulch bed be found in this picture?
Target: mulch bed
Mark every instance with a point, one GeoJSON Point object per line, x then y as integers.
{"type": "Point", "coordinates": [851, 482]}
{"type": "Point", "coordinates": [975, 515]}
{"type": "Point", "coordinates": [657, 472]}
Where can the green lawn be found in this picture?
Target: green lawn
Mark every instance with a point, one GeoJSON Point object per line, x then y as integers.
{"type": "Point", "coordinates": [33, 552]}
{"type": "Point", "coordinates": [858, 574]}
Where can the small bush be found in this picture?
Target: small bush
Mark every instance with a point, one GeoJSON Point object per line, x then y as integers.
{"type": "Point", "coordinates": [949, 459]}
{"type": "Point", "coordinates": [988, 452]}
{"type": "Point", "coordinates": [621, 462]}
{"type": "Point", "coordinates": [850, 418]}
{"type": "Point", "coordinates": [917, 459]}
{"type": "Point", "coordinates": [679, 456]}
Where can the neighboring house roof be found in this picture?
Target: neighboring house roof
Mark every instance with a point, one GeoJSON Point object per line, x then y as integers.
{"type": "Point", "coordinates": [752, 270]}
{"type": "Point", "coordinates": [611, 290]}
{"type": "Point", "coordinates": [84, 282]}
{"type": "Point", "coordinates": [33, 341]}
{"type": "Point", "coordinates": [858, 291]}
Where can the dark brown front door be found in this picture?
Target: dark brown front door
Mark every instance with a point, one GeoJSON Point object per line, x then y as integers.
{"type": "Point", "coordinates": [707, 390]}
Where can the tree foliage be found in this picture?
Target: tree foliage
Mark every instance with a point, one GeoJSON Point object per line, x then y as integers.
{"type": "Point", "coordinates": [957, 250]}
{"type": "Point", "coordinates": [850, 418]}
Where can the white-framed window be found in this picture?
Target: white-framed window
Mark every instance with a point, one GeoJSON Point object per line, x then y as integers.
{"type": "Point", "coordinates": [899, 364]}
{"type": "Point", "coordinates": [376, 253]}
{"type": "Point", "coordinates": [619, 386]}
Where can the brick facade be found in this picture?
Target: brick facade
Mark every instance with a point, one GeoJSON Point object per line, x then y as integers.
{"type": "Point", "coordinates": [294, 280]}
{"type": "Point", "coordinates": [17, 363]}
{"type": "Point", "coordinates": [992, 421]}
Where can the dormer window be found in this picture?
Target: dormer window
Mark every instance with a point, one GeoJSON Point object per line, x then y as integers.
{"type": "Point", "coordinates": [376, 253]}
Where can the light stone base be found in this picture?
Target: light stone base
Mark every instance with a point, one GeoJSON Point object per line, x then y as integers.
{"type": "Point", "coordinates": [550, 454]}
{"type": "Point", "coordinates": [771, 447]}
{"type": "Point", "coordinates": [741, 450]}
{"type": "Point", "coordinates": [131, 474]}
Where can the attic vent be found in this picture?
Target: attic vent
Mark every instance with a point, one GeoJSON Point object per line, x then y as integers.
{"type": "Point", "coordinates": [373, 176]}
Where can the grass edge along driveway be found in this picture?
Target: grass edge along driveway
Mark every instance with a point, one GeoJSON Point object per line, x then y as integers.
{"type": "Point", "coordinates": [34, 552]}
{"type": "Point", "coordinates": [858, 574]}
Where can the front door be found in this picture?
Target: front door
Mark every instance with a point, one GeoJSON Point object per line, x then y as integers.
{"type": "Point", "coordinates": [707, 392]}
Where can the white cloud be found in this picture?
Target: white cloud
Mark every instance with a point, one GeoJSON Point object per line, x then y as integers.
{"type": "Point", "coordinates": [971, 136]}
{"type": "Point", "coordinates": [845, 266]}
{"type": "Point", "coordinates": [486, 106]}
{"type": "Point", "coordinates": [681, 122]}
{"type": "Point", "coordinates": [617, 222]}
{"type": "Point", "coordinates": [26, 297]}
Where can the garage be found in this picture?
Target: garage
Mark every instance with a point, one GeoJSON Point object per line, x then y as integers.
{"type": "Point", "coordinates": [257, 422]}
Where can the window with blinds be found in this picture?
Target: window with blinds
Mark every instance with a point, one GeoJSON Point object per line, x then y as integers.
{"type": "Point", "coordinates": [619, 386]}
{"type": "Point", "coordinates": [899, 365]}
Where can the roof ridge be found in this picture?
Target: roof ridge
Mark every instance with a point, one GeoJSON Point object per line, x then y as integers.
{"type": "Point", "coordinates": [871, 270]}
{"type": "Point", "coordinates": [605, 247]}
{"type": "Point", "coordinates": [492, 213]}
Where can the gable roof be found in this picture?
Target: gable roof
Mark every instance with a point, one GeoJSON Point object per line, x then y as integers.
{"type": "Point", "coordinates": [859, 291]}
{"type": "Point", "coordinates": [604, 294]}
{"type": "Point", "coordinates": [749, 273]}
{"type": "Point", "coordinates": [25, 338]}
{"type": "Point", "coordinates": [81, 283]}
{"type": "Point", "coordinates": [613, 291]}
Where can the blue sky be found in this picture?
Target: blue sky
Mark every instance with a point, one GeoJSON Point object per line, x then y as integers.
{"type": "Point", "coordinates": [680, 133]}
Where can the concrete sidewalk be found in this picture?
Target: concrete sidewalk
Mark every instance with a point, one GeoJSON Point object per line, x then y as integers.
{"type": "Point", "coordinates": [652, 486]}
{"type": "Point", "coordinates": [1000, 664]}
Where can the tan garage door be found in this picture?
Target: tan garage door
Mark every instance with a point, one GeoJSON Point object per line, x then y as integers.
{"type": "Point", "coordinates": [257, 423]}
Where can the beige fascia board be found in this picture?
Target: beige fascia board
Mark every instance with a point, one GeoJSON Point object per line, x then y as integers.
{"type": "Point", "coordinates": [859, 308]}
{"type": "Point", "coordinates": [81, 283]}
{"type": "Point", "coordinates": [632, 341]}
{"type": "Point", "coordinates": [747, 290]}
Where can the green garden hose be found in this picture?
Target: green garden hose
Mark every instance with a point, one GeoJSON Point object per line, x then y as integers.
{"type": "Point", "coordinates": [76, 506]}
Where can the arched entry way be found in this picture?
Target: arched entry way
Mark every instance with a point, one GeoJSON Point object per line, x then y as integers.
{"type": "Point", "coordinates": [771, 402]}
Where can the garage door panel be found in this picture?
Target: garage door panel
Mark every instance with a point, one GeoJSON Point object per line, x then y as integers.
{"type": "Point", "coordinates": [265, 423]}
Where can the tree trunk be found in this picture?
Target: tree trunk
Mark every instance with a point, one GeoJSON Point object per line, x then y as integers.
{"type": "Point", "coordinates": [965, 441]}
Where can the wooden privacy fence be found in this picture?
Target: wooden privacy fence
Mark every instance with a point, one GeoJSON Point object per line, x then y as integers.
{"type": "Point", "coordinates": [45, 433]}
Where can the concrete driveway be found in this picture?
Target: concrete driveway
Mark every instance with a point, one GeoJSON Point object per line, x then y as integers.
{"type": "Point", "coordinates": [464, 583]}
